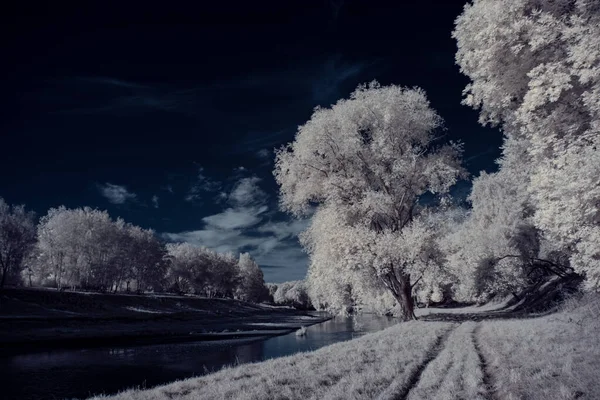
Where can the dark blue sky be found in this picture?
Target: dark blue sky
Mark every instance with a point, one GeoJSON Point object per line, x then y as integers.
{"type": "Point", "coordinates": [167, 115]}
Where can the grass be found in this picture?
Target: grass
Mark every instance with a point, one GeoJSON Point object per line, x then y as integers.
{"type": "Point", "coordinates": [358, 369]}
{"type": "Point", "coordinates": [31, 319]}
{"type": "Point", "coordinates": [551, 357]}
{"type": "Point", "coordinates": [456, 372]}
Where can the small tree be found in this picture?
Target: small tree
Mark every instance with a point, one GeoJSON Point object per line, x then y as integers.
{"type": "Point", "coordinates": [251, 281]}
{"type": "Point", "coordinates": [17, 238]}
{"type": "Point", "coordinates": [369, 159]}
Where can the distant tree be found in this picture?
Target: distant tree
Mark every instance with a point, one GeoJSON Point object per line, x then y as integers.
{"type": "Point", "coordinates": [251, 280]}
{"type": "Point", "coordinates": [80, 246]}
{"type": "Point", "coordinates": [202, 271]}
{"type": "Point", "coordinates": [17, 238]}
{"type": "Point", "coordinates": [223, 275]}
{"type": "Point", "coordinates": [272, 288]}
{"type": "Point", "coordinates": [369, 159]}
{"type": "Point", "coordinates": [145, 255]}
{"type": "Point", "coordinates": [535, 69]}
{"type": "Point", "coordinates": [293, 293]}
{"type": "Point", "coordinates": [189, 267]}
{"type": "Point", "coordinates": [85, 248]}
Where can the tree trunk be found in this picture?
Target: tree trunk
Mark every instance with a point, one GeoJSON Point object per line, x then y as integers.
{"type": "Point", "coordinates": [405, 300]}
{"type": "Point", "coordinates": [4, 273]}
{"type": "Point", "coordinates": [402, 291]}
{"type": "Point", "coordinates": [5, 267]}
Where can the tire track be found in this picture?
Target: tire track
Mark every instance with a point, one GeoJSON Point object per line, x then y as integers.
{"type": "Point", "coordinates": [487, 377]}
{"type": "Point", "coordinates": [398, 390]}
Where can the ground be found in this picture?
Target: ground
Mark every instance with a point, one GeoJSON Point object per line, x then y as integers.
{"type": "Point", "coordinates": [47, 318]}
{"type": "Point", "coordinates": [555, 356]}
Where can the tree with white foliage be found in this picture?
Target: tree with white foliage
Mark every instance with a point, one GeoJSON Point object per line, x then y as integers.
{"type": "Point", "coordinates": [85, 248]}
{"type": "Point", "coordinates": [251, 280]}
{"type": "Point", "coordinates": [17, 238]}
{"type": "Point", "coordinates": [369, 159]}
{"type": "Point", "coordinates": [487, 252]}
{"type": "Point", "coordinates": [189, 267]}
{"type": "Point", "coordinates": [292, 293]}
{"type": "Point", "coordinates": [81, 245]}
{"type": "Point", "coordinates": [145, 257]}
{"type": "Point", "coordinates": [535, 70]}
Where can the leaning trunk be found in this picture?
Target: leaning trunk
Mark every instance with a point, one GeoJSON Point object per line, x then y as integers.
{"type": "Point", "coordinates": [402, 291]}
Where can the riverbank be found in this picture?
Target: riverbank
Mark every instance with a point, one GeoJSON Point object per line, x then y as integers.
{"type": "Point", "coordinates": [36, 319]}
{"type": "Point", "coordinates": [555, 356]}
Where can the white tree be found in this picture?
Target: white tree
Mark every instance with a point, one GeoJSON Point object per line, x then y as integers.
{"type": "Point", "coordinates": [145, 256]}
{"type": "Point", "coordinates": [85, 248]}
{"type": "Point", "coordinates": [223, 275]}
{"type": "Point", "coordinates": [17, 238]}
{"type": "Point", "coordinates": [535, 69]}
{"type": "Point", "coordinates": [292, 293]}
{"type": "Point", "coordinates": [189, 267]}
{"type": "Point", "coordinates": [488, 251]}
{"type": "Point", "coordinates": [200, 270]}
{"type": "Point", "coordinates": [370, 158]}
{"type": "Point", "coordinates": [251, 281]}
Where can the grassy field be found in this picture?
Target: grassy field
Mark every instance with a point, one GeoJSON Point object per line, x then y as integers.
{"type": "Point", "coordinates": [48, 318]}
{"type": "Point", "coordinates": [551, 357]}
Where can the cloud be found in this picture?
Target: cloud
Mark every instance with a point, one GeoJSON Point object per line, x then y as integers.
{"type": "Point", "coordinates": [257, 142]}
{"type": "Point", "coordinates": [248, 202]}
{"type": "Point", "coordinates": [489, 150]}
{"type": "Point", "coordinates": [155, 201]}
{"type": "Point", "coordinates": [113, 96]}
{"type": "Point", "coordinates": [104, 80]}
{"type": "Point", "coordinates": [201, 185]}
{"type": "Point", "coordinates": [233, 218]}
{"type": "Point", "coordinates": [334, 74]}
{"type": "Point", "coordinates": [116, 194]}
{"type": "Point", "coordinates": [263, 153]}
{"type": "Point", "coordinates": [285, 229]}
{"type": "Point", "coordinates": [246, 192]}
{"type": "Point", "coordinates": [244, 226]}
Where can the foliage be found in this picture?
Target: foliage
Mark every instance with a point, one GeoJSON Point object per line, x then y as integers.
{"type": "Point", "coordinates": [535, 69]}
{"type": "Point", "coordinates": [293, 293]}
{"type": "Point", "coordinates": [365, 162]}
{"type": "Point", "coordinates": [17, 237]}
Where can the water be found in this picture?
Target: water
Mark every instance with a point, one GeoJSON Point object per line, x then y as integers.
{"type": "Point", "coordinates": [81, 373]}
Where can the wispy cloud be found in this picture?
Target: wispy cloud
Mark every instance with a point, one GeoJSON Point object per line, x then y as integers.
{"type": "Point", "coordinates": [104, 80]}
{"type": "Point", "coordinates": [245, 225]}
{"type": "Point", "coordinates": [109, 95]}
{"type": "Point", "coordinates": [155, 201]}
{"type": "Point", "coordinates": [202, 184]}
{"type": "Point", "coordinates": [335, 74]}
{"type": "Point", "coordinates": [489, 150]}
{"type": "Point", "coordinates": [263, 154]}
{"type": "Point", "coordinates": [260, 142]}
{"type": "Point", "coordinates": [116, 194]}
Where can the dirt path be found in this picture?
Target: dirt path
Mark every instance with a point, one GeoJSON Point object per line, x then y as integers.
{"type": "Point", "coordinates": [400, 390]}
{"type": "Point", "coordinates": [454, 369]}
{"type": "Point", "coordinates": [488, 382]}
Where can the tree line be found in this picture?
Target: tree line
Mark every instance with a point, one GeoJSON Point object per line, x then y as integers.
{"type": "Point", "coordinates": [85, 248]}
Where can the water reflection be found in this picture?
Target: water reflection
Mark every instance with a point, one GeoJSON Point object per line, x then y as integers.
{"type": "Point", "coordinates": [81, 373]}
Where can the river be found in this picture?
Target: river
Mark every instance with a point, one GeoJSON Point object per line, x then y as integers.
{"type": "Point", "coordinates": [80, 373]}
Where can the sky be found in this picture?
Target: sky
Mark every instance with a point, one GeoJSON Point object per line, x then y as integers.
{"type": "Point", "coordinates": [167, 115]}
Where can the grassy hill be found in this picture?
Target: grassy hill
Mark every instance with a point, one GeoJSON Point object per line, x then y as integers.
{"type": "Point", "coordinates": [38, 318]}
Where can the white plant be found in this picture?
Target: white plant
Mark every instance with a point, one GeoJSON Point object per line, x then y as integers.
{"type": "Point", "coordinates": [535, 70]}
{"type": "Point", "coordinates": [365, 161]}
